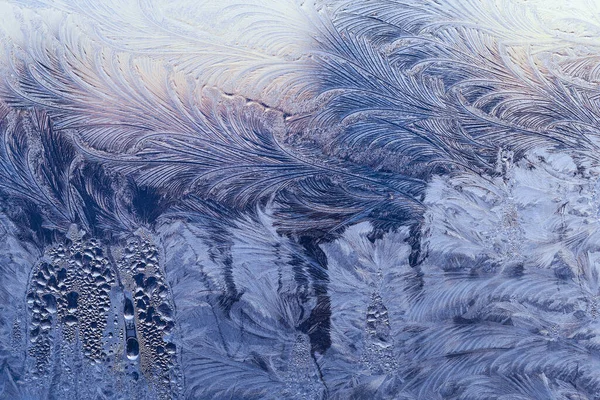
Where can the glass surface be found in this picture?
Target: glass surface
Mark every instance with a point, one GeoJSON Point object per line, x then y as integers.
{"type": "Point", "coordinates": [378, 199]}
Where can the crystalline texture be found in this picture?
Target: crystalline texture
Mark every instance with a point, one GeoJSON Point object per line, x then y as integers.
{"type": "Point", "coordinates": [383, 199]}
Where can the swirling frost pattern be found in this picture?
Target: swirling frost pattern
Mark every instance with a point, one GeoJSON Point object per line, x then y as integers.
{"type": "Point", "coordinates": [382, 199]}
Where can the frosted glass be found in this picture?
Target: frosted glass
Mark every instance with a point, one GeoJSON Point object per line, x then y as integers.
{"type": "Point", "coordinates": [378, 199]}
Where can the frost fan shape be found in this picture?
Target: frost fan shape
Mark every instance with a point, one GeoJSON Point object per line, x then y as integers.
{"type": "Point", "coordinates": [384, 199]}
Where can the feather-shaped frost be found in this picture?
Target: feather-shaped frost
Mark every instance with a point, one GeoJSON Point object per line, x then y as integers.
{"type": "Point", "coordinates": [370, 282]}
{"type": "Point", "coordinates": [48, 184]}
{"type": "Point", "coordinates": [16, 262]}
{"type": "Point", "coordinates": [253, 348]}
{"type": "Point", "coordinates": [510, 270]}
{"type": "Point", "coordinates": [435, 87]}
{"type": "Point", "coordinates": [273, 200]}
{"type": "Point", "coordinates": [173, 132]}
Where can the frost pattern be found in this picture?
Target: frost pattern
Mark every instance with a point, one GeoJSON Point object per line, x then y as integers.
{"type": "Point", "coordinates": [386, 199]}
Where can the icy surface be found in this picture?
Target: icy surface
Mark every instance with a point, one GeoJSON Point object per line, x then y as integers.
{"type": "Point", "coordinates": [383, 199]}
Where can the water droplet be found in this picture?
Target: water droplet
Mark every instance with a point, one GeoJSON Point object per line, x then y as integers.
{"type": "Point", "coordinates": [133, 349]}
{"type": "Point", "coordinates": [128, 309]}
{"type": "Point", "coordinates": [171, 348]}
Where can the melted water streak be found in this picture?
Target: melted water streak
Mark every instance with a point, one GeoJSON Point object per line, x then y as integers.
{"type": "Point", "coordinates": [301, 379]}
{"type": "Point", "coordinates": [68, 300]}
{"type": "Point", "coordinates": [92, 321]}
{"type": "Point", "coordinates": [378, 355]}
{"type": "Point", "coordinates": [149, 321]}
